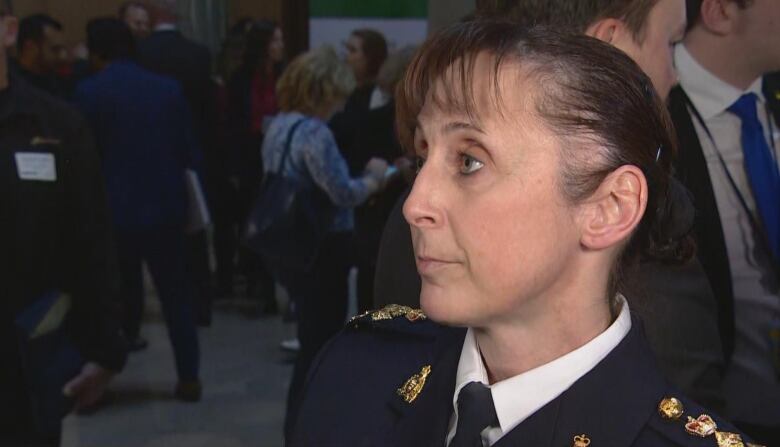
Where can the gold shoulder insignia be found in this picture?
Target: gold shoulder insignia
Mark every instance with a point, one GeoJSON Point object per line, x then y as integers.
{"type": "Point", "coordinates": [670, 408]}
{"type": "Point", "coordinates": [726, 439]}
{"type": "Point", "coordinates": [581, 441]}
{"type": "Point", "coordinates": [702, 426]}
{"type": "Point", "coordinates": [392, 311]}
{"type": "Point", "coordinates": [412, 387]}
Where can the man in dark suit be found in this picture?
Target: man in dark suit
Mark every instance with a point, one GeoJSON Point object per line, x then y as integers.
{"type": "Point", "coordinates": [59, 280]}
{"type": "Point", "coordinates": [167, 52]}
{"type": "Point", "coordinates": [727, 124]}
{"type": "Point", "coordinates": [144, 132]}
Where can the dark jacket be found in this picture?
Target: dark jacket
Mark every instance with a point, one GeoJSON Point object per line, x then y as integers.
{"type": "Point", "coordinates": [692, 170]}
{"type": "Point", "coordinates": [144, 133]}
{"type": "Point", "coordinates": [55, 235]}
{"type": "Point", "coordinates": [169, 53]}
{"type": "Point", "coordinates": [352, 398]}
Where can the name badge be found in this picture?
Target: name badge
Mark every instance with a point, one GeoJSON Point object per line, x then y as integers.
{"type": "Point", "coordinates": [36, 166]}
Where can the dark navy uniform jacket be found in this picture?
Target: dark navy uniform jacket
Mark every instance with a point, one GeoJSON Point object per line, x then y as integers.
{"type": "Point", "coordinates": [351, 397]}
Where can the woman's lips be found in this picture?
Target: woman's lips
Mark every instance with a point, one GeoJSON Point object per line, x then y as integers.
{"type": "Point", "coordinates": [427, 265]}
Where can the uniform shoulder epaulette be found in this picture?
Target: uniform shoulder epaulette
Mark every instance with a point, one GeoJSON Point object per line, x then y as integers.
{"type": "Point", "coordinates": [390, 313]}
{"type": "Point", "coordinates": [685, 421]}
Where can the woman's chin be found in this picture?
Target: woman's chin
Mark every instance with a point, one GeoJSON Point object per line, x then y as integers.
{"type": "Point", "coordinates": [442, 309]}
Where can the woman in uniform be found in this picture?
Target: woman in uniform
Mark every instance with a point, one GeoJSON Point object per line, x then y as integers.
{"type": "Point", "coordinates": [544, 173]}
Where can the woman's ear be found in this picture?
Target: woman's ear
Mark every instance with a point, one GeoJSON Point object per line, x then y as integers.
{"type": "Point", "coordinates": [615, 209]}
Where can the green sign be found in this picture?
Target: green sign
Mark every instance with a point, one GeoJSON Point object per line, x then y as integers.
{"type": "Point", "coordinates": [396, 9]}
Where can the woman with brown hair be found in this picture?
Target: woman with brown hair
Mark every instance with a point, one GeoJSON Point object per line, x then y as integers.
{"type": "Point", "coordinates": [544, 173]}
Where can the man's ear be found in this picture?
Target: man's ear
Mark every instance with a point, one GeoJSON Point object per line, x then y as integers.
{"type": "Point", "coordinates": [718, 16]}
{"type": "Point", "coordinates": [11, 31]}
{"type": "Point", "coordinates": [614, 211]}
{"type": "Point", "coordinates": [608, 30]}
{"type": "Point", "coordinates": [616, 33]}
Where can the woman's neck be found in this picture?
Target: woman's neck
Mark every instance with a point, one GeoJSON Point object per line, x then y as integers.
{"type": "Point", "coordinates": [549, 327]}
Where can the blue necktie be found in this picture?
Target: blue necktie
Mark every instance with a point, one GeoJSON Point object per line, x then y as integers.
{"type": "Point", "coordinates": [761, 168]}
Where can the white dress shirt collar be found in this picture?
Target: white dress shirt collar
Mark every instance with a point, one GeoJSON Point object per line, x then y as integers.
{"type": "Point", "coordinates": [519, 397]}
{"type": "Point", "coordinates": [709, 94]}
{"type": "Point", "coordinates": [166, 27]}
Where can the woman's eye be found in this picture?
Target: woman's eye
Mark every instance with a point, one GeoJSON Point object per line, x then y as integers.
{"type": "Point", "coordinates": [469, 164]}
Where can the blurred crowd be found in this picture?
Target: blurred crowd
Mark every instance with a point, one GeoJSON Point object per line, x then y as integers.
{"type": "Point", "coordinates": [186, 144]}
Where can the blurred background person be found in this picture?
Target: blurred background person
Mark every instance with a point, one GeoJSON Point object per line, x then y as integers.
{"type": "Point", "coordinates": [366, 52]}
{"type": "Point", "coordinates": [252, 104]}
{"type": "Point", "coordinates": [167, 52]}
{"type": "Point", "coordinates": [59, 331]}
{"type": "Point", "coordinates": [311, 89]}
{"type": "Point", "coordinates": [144, 132]}
{"type": "Point", "coordinates": [728, 129]}
{"type": "Point", "coordinates": [376, 137]}
{"type": "Point", "coordinates": [41, 54]}
{"type": "Point", "coordinates": [136, 15]}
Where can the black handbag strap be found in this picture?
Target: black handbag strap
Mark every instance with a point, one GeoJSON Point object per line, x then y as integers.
{"type": "Point", "coordinates": [288, 145]}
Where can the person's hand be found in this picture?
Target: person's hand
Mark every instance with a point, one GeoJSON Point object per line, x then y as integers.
{"type": "Point", "coordinates": [89, 386]}
{"type": "Point", "coordinates": [407, 168]}
{"type": "Point", "coordinates": [376, 168]}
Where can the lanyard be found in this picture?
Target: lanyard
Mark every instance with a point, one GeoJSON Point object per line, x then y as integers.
{"type": "Point", "coordinates": [754, 221]}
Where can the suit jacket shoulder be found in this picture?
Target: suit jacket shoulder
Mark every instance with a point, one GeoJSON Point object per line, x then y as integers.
{"type": "Point", "coordinates": [352, 393]}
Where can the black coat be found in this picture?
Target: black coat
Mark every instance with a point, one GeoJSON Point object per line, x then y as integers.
{"type": "Point", "coordinates": [55, 235]}
{"type": "Point", "coordinates": [171, 54]}
{"type": "Point", "coordinates": [351, 396]}
{"type": "Point", "coordinates": [692, 170]}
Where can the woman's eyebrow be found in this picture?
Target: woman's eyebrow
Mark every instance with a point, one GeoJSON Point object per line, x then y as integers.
{"type": "Point", "coordinates": [461, 125]}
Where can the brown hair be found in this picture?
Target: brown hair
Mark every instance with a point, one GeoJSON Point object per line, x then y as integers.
{"type": "Point", "coordinates": [595, 99]}
{"type": "Point", "coordinates": [570, 15]}
{"type": "Point", "coordinates": [392, 71]}
{"type": "Point", "coordinates": [374, 47]}
{"type": "Point", "coordinates": [313, 79]}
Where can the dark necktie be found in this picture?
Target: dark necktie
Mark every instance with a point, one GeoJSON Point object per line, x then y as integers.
{"type": "Point", "coordinates": [475, 413]}
{"type": "Point", "coordinates": [761, 168]}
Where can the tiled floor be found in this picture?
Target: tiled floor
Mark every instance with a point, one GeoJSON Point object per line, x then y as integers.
{"type": "Point", "coordinates": [245, 377]}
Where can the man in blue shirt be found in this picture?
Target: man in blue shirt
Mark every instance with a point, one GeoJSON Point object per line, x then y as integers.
{"type": "Point", "coordinates": [144, 132]}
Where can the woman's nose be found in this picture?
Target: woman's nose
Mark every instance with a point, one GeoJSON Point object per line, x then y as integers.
{"type": "Point", "coordinates": [423, 205]}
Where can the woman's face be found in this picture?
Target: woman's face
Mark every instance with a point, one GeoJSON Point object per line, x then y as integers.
{"type": "Point", "coordinates": [276, 46]}
{"type": "Point", "coordinates": [356, 59]}
{"type": "Point", "coordinates": [492, 233]}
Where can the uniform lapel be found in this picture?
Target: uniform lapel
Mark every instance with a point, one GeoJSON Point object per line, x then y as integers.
{"type": "Point", "coordinates": [425, 421]}
{"type": "Point", "coordinates": [609, 405]}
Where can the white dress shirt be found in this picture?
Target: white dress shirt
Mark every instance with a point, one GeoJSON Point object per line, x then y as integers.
{"type": "Point", "coordinates": [518, 397]}
{"type": "Point", "coordinates": [756, 307]}
{"type": "Point", "coordinates": [165, 27]}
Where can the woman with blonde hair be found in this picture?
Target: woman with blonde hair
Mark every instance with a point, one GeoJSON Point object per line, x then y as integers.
{"type": "Point", "coordinates": [299, 146]}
